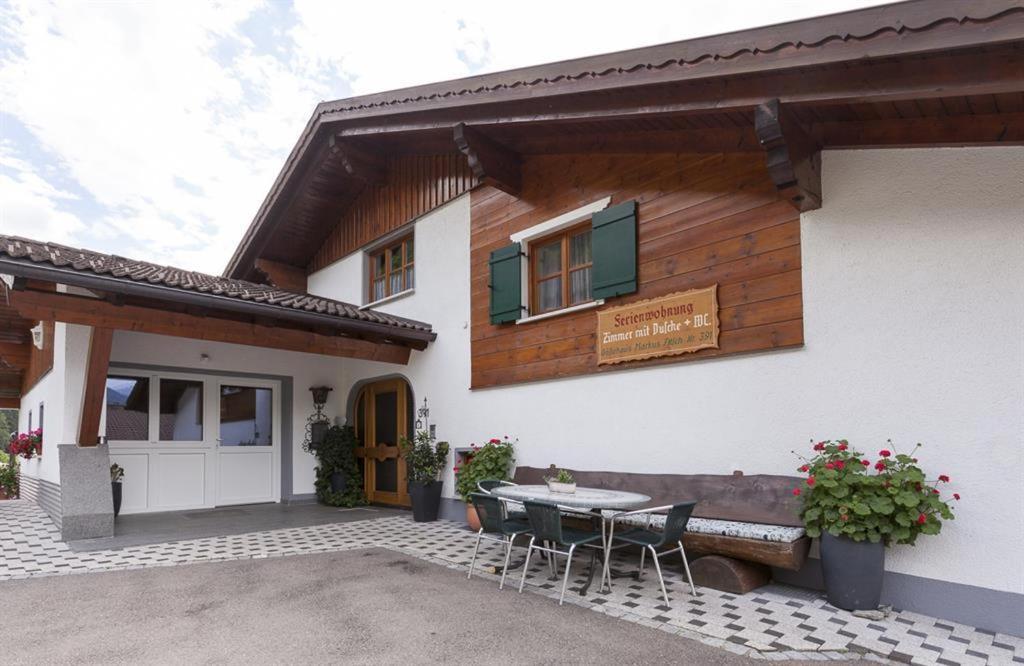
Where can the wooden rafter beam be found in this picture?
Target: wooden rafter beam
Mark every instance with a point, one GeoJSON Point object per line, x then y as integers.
{"type": "Point", "coordinates": [723, 140]}
{"type": "Point", "coordinates": [793, 157]}
{"type": "Point", "coordinates": [950, 131]}
{"type": "Point", "coordinates": [97, 365]}
{"type": "Point", "coordinates": [491, 162]}
{"type": "Point", "coordinates": [359, 163]}
{"type": "Point", "coordinates": [95, 312]}
{"type": "Point", "coordinates": [991, 71]}
{"type": "Point", "coordinates": [10, 403]}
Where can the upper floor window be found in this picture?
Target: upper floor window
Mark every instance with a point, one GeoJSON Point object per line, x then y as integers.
{"type": "Point", "coordinates": [560, 270]}
{"type": "Point", "coordinates": [392, 269]}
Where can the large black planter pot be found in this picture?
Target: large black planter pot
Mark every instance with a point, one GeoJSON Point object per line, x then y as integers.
{"type": "Point", "coordinates": [853, 572]}
{"type": "Point", "coordinates": [426, 501]}
{"type": "Point", "coordinates": [115, 489]}
{"type": "Point", "coordinates": [339, 482]}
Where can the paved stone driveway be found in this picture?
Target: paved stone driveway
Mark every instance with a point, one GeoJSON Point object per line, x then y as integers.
{"type": "Point", "coordinates": [775, 622]}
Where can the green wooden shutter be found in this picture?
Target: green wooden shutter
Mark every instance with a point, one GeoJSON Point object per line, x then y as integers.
{"type": "Point", "coordinates": [614, 251]}
{"type": "Point", "coordinates": [506, 284]}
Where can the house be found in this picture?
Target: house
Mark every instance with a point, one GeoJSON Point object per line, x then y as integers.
{"type": "Point", "coordinates": [692, 257]}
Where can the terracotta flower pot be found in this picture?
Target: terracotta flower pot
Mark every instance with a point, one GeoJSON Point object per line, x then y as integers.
{"type": "Point", "coordinates": [472, 518]}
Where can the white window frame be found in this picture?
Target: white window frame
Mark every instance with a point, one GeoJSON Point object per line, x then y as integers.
{"type": "Point", "coordinates": [375, 247]}
{"type": "Point", "coordinates": [542, 230]}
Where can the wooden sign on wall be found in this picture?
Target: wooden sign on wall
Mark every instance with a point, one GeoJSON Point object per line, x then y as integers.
{"type": "Point", "coordinates": [675, 324]}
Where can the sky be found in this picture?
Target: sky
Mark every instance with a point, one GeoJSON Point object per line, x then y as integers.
{"type": "Point", "coordinates": [154, 129]}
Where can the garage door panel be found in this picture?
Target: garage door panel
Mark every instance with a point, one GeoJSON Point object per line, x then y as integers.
{"type": "Point", "coordinates": [135, 485]}
{"type": "Point", "coordinates": [180, 480]}
{"type": "Point", "coordinates": [246, 477]}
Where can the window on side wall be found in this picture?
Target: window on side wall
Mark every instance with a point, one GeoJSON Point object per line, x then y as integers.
{"type": "Point", "coordinates": [40, 426]}
{"type": "Point", "coordinates": [392, 269]}
{"type": "Point", "coordinates": [560, 267]}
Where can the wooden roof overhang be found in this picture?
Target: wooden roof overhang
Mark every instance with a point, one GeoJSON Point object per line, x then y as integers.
{"type": "Point", "coordinates": [116, 303]}
{"type": "Point", "coordinates": [920, 73]}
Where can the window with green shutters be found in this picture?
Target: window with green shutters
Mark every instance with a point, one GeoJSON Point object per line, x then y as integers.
{"type": "Point", "coordinates": [573, 266]}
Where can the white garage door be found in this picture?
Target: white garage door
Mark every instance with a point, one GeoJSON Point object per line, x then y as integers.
{"type": "Point", "coordinates": [193, 441]}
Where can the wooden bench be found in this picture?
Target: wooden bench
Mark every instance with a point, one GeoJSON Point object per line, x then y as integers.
{"type": "Point", "coordinates": [762, 505]}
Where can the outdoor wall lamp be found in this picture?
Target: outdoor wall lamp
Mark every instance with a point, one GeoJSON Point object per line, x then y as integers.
{"type": "Point", "coordinates": [318, 423]}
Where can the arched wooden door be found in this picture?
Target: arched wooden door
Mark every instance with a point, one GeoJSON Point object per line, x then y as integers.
{"type": "Point", "coordinates": [383, 415]}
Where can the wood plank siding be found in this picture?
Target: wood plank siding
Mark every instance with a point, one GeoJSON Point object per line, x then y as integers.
{"type": "Point", "coordinates": [415, 184]}
{"type": "Point", "coordinates": [702, 219]}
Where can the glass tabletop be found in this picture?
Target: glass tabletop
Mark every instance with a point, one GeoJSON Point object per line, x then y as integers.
{"type": "Point", "coordinates": [583, 498]}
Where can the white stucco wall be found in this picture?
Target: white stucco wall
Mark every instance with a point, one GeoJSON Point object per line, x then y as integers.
{"type": "Point", "coordinates": [57, 390]}
{"type": "Point", "coordinates": [914, 313]}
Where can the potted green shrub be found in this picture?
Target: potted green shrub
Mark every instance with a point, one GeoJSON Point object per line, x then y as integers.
{"type": "Point", "coordinates": [339, 479]}
{"type": "Point", "coordinates": [493, 460]}
{"type": "Point", "coordinates": [424, 461]}
{"type": "Point", "coordinates": [858, 508]}
{"type": "Point", "coordinates": [8, 476]}
{"type": "Point", "coordinates": [116, 477]}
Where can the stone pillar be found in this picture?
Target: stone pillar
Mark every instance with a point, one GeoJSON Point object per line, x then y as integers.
{"type": "Point", "coordinates": [87, 506]}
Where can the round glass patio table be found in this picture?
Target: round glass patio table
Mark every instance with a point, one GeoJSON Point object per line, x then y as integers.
{"type": "Point", "coordinates": [587, 499]}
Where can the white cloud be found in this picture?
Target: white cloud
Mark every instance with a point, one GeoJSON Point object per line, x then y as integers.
{"type": "Point", "coordinates": [175, 117]}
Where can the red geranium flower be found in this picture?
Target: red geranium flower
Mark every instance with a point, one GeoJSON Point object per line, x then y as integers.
{"type": "Point", "coordinates": [495, 440]}
{"type": "Point", "coordinates": [956, 496]}
{"type": "Point", "coordinates": [840, 464]}
{"type": "Point", "coordinates": [796, 491]}
{"type": "Point", "coordinates": [842, 447]}
{"type": "Point", "coordinates": [810, 480]}
{"type": "Point", "coordinates": [830, 465]}
{"type": "Point", "coordinates": [804, 468]}
{"type": "Point", "coordinates": [880, 466]}
{"type": "Point", "coordinates": [819, 446]}
{"type": "Point", "coordinates": [885, 453]}
{"type": "Point", "coordinates": [865, 462]}
{"type": "Point", "coordinates": [922, 519]}
{"type": "Point", "coordinates": [943, 478]}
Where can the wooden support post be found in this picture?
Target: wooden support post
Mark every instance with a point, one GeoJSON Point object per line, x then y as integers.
{"type": "Point", "coordinates": [794, 158]}
{"type": "Point", "coordinates": [491, 162]}
{"type": "Point", "coordinates": [95, 386]}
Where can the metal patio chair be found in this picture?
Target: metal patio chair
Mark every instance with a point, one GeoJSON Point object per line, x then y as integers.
{"type": "Point", "coordinates": [675, 525]}
{"type": "Point", "coordinates": [494, 520]}
{"type": "Point", "coordinates": [546, 522]}
{"type": "Point", "coordinates": [487, 485]}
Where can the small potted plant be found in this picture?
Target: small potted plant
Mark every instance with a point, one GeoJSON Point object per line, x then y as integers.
{"type": "Point", "coordinates": [858, 508]}
{"type": "Point", "coordinates": [561, 481]}
{"type": "Point", "coordinates": [424, 461]}
{"type": "Point", "coordinates": [493, 460]}
{"type": "Point", "coordinates": [27, 444]}
{"type": "Point", "coordinates": [116, 477]}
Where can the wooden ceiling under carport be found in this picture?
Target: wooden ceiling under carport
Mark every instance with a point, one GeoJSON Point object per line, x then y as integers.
{"type": "Point", "coordinates": [15, 351]}
{"type": "Point", "coordinates": [931, 73]}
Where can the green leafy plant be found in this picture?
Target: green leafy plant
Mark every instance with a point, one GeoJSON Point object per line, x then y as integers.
{"type": "Point", "coordinates": [561, 476]}
{"type": "Point", "coordinates": [116, 473]}
{"type": "Point", "coordinates": [890, 500]}
{"type": "Point", "coordinates": [337, 454]}
{"type": "Point", "coordinates": [9, 482]}
{"type": "Point", "coordinates": [424, 460]}
{"type": "Point", "coordinates": [493, 460]}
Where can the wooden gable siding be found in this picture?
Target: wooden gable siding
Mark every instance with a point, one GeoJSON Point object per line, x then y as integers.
{"type": "Point", "coordinates": [702, 219]}
{"type": "Point", "coordinates": [415, 185]}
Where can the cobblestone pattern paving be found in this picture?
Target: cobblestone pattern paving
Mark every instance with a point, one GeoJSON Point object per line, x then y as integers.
{"type": "Point", "coordinates": [773, 623]}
